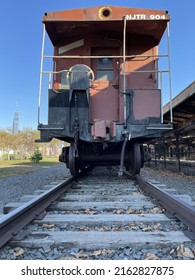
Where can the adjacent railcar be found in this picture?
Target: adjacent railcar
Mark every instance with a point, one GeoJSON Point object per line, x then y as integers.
{"type": "Point", "coordinates": [104, 97]}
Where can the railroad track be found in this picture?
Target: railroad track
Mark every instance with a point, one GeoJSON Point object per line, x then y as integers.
{"type": "Point", "coordinates": [95, 215]}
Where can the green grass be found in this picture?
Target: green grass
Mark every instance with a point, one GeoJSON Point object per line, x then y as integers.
{"type": "Point", "coordinates": [15, 167]}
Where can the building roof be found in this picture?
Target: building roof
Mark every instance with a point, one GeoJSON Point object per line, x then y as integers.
{"type": "Point", "coordinates": [183, 107]}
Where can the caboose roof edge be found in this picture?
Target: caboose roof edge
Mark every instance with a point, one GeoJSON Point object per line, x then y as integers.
{"type": "Point", "coordinates": [66, 23]}
{"type": "Point", "coordinates": [94, 13]}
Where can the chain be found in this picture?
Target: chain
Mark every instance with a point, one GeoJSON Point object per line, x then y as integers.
{"type": "Point", "coordinates": [76, 127]}
{"type": "Point", "coordinates": [76, 137]}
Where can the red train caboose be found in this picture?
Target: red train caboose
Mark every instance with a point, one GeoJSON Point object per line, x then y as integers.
{"type": "Point", "coordinates": [105, 98]}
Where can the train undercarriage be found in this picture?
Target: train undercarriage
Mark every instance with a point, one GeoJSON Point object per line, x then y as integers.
{"type": "Point", "coordinates": [130, 156]}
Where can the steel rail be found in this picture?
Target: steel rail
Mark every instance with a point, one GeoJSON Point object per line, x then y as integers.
{"type": "Point", "coordinates": [175, 206]}
{"type": "Point", "coordinates": [12, 223]}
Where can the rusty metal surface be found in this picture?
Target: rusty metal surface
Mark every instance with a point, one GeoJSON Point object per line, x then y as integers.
{"type": "Point", "coordinates": [71, 22]}
{"type": "Point", "coordinates": [176, 207]}
{"type": "Point", "coordinates": [82, 35]}
{"type": "Point", "coordinates": [142, 110]}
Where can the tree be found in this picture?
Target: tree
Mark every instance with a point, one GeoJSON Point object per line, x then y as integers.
{"type": "Point", "coordinates": [26, 141]}
{"type": "Point", "coordinates": [5, 141]}
{"type": "Point", "coordinates": [23, 143]}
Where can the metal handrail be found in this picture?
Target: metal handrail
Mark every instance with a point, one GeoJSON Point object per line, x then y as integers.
{"type": "Point", "coordinates": [134, 71]}
{"type": "Point", "coordinates": [105, 56]}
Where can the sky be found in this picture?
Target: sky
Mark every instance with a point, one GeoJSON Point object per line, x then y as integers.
{"type": "Point", "coordinates": [21, 39]}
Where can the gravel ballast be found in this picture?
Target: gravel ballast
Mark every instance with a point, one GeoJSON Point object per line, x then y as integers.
{"type": "Point", "coordinates": [13, 188]}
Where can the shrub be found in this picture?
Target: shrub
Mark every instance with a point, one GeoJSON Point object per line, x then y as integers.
{"type": "Point", "coordinates": [37, 156]}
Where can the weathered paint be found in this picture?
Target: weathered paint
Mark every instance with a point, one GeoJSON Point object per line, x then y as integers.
{"type": "Point", "coordinates": [83, 36]}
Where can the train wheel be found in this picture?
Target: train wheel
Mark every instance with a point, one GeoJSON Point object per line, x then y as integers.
{"type": "Point", "coordinates": [73, 161]}
{"type": "Point", "coordinates": [135, 160]}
